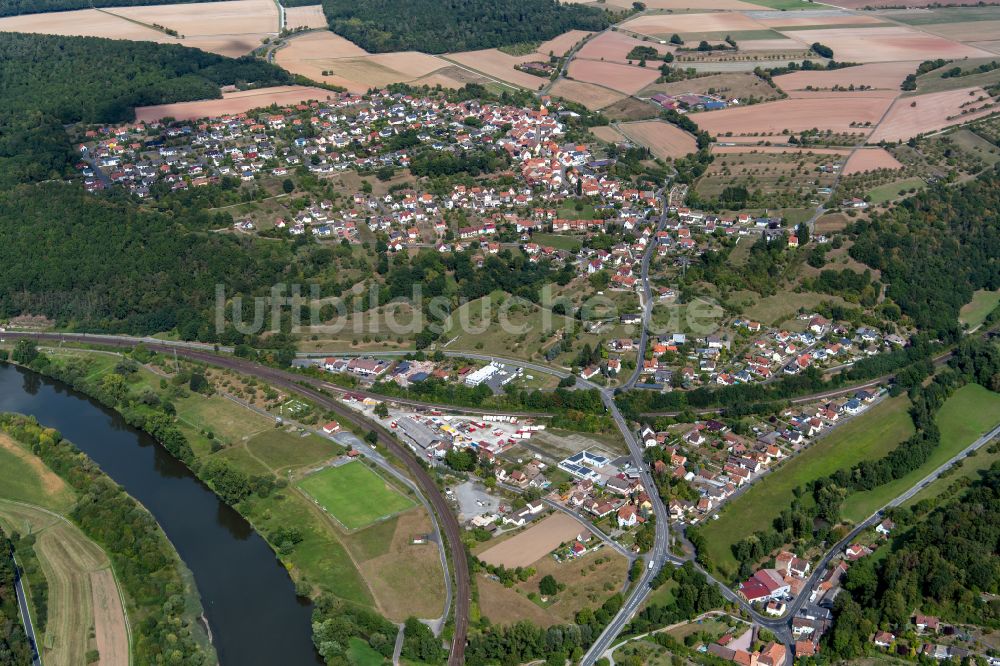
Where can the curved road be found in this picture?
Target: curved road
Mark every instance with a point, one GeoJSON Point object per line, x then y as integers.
{"type": "Point", "coordinates": [22, 603]}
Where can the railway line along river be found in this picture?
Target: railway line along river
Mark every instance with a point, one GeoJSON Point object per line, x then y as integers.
{"type": "Point", "coordinates": [253, 612]}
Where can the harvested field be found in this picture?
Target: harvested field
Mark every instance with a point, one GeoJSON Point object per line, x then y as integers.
{"type": "Point", "coordinates": [795, 115]}
{"type": "Point", "coordinates": [608, 133]}
{"type": "Point", "coordinates": [662, 138]}
{"type": "Point", "coordinates": [965, 31]}
{"type": "Point", "coordinates": [614, 47]}
{"type": "Point", "coordinates": [837, 94]}
{"type": "Point", "coordinates": [783, 45]}
{"type": "Point", "coordinates": [831, 222]}
{"type": "Point", "coordinates": [668, 24]}
{"type": "Point", "coordinates": [992, 46]}
{"type": "Point", "coordinates": [237, 102]}
{"type": "Point", "coordinates": [533, 543]}
{"type": "Point", "coordinates": [110, 633]}
{"type": "Point", "coordinates": [861, 4]}
{"type": "Point", "coordinates": [499, 65]}
{"type": "Point", "coordinates": [561, 44]}
{"type": "Point", "coordinates": [451, 77]}
{"type": "Point", "coordinates": [910, 116]}
{"type": "Point", "coordinates": [82, 23]}
{"type": "Point", "coordinates": [591, 96]}
{"type": "Point", "coordinates": [700, 5]}
{"type": "Point", "coordinates": [628, 79]}
{"type": "Point", "coordinates": [322, 44]}
{"type": "Point", "coordinates": [308, 16]}
{"type": "Point", "coordinates": [885, 44]}
{"type": "Point", "coordinates": [887, 75]}
{"type": "Point", "coordinates": [232, 28]}
{"type": "Point", "coordinates": [740, 85]}
{"type": "Point", "coordinates": [870, 159]}
{"type": "Point", "coordinates": [781, 20]}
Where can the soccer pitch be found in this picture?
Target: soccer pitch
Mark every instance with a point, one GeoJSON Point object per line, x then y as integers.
{"type": "Point", "coordinates": [354, 495]}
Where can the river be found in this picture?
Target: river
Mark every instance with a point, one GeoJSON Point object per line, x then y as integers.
{"type": "Point", "coordinates": [250, 601]}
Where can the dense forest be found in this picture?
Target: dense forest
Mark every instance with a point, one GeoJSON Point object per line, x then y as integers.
{"type": "Point", "coordinates": [441, 26]}
{"type": "Point", "coordinates": [49, 81]}
{"type": "Point", "coordinates": [145, 562]}
{"type": "Point", "coordinates": [16, 7]}
{"type": "Point", "coordinates": [945, 564]}
{"type": "Point", "coordinates": [102, 265]}
{"type": "Point", "coordinates": [14, 647]}
{"type": "Point", "coordinates": [936, 248]}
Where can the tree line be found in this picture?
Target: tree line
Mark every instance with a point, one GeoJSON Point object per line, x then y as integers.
{"type": "Point", "coordinates": [14, 647]}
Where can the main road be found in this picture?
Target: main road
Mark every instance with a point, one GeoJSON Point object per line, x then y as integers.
{"type": "Point", "coordinates": [22, 603]}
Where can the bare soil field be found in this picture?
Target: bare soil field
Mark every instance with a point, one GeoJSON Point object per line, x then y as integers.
{"type": "Point", "coordinates": [740, 85]}
{"type": "Point", "coordinates": [561, 44]}
{"type": "Point", "coordinates": [451, 77]}
{"type": "Point", "coordinates": [499, 65]}
{"type": "Point", "coordinates": [887, 75]}
{"type": "Point", "coordinates": [668, 24]}
{"type": "Point", "coordinates": [591, 96]}
{"type": "Point", "coordinates": [910, 116]}
{"type": "Point", "coordinates": [870, 159]}
{"type": "Point", "coordinates": [614, 47]}
{"type": "Point", "coordinates": [628, 79]}
{"type": "Point", "coordinates": [664, 139]}
{"type": "Point", "coordinates": [237, 102]}
{"type": "Point", "coordinates": [308, 16]}
{"type": "Point", "coordinates": [993, 46]}
{"type": "Point", "coordinates": [838, 94]}
{"type": "Point", "coordinates": [831, 18]}
{"type": "Point", "coordinates": [82, 23]}
{"type": "Point", "coordinates": [885, 44]}
{"type": "Point", "coordinates": [534, 543]}
{"type": "Point", "coordinates": [757, 45]}
{"type": "Point", "coordinates": [795, 115]}
{"type": "Point", "coordinates": [608, 133]}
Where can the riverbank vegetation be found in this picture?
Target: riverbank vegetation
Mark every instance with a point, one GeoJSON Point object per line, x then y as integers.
{"type": "Point", "coordinates": [14, 647]}
{"type": "Point", "coordinates": [151, 573]}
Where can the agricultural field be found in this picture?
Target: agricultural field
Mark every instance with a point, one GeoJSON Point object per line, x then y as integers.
{"type": "Point", "coordinates": [870, 159]}
{"type": "Point", "coordinates": [866, 437]}
{"type": "Point", "coordinates": [560, 44]}
{"type": "Point", "coordinates": [885, 44]}
{"type": "Point", "coordinates": [84, 609]}
{"type": "Point", "coordinates": [614, 46]}
{"type": "Point", "coordinates": [354, 494]}
{"type": "Point", "coordinates": [664, 139]}
{"type": "Point", "coordinates": [591, 96]}
{"type": "Point", "coordinates": [83, 23]}
{"type": "Point", "coordinates": [970, 412]}
{"type": "Point", "coordinates": [662, 26]}
{"type": "Point", "coordinates": [308, 16]}
{"type": "Point", "coordinates": [883, 75]}
{"type": "Point", "coordinates": [628, 109]}
{"type": "Point", "coordinates": [232, 103]}
{"type": "Point", "coordinates": [841, 114]}
{"type": "Point", "coordinates": [499, 65]}
{"type": "Point", "coordinates": [890, 191]}
{"type": "Point", "coordinates": [628, 79]}
{"type": "Point", "coordinates": [910, 116]}
{"type": "Point", "coordinates": [533, 543]}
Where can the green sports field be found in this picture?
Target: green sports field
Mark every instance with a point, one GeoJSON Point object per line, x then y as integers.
{"type": "Point", "coordinates": [354, 495]}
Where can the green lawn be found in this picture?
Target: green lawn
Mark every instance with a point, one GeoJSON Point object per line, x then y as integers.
{"type": "Point", "coordinates": [280, 449]}
{"type": "Point", "coordinates": [228, 420]}
{"type": "Point", "coordinates": [975, 312]}
{"type": "Point", "coordinates": [568, 211]}
{"type": "Point", "coordinates": [866, 437]}
{"type": "Point", "coordinates": [354, 494]}
{"type": "Point", "coordinates": [558, 241]}
{"type": "Point", "coordinates": [967, 414]}
{"type": "Point", "coordinates": [890, 191]}
{"type": "Point", "coordinates": [361, 654]}
{"type": "Point", "coordinates": [24, 478]}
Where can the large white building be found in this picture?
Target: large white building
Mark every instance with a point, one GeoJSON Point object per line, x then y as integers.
{"type": "Point", "coordinates": [481, 375]}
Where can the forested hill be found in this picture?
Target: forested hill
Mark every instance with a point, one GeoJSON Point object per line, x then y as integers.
{"type": "Point", "coordinates": [15, 7]}
{"type": "Point", "coordinates": [48, 81]}
{"type": "Point", "coordinates": [440, 26]}
{"type": "Point", "coordinates": [935, 249]}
